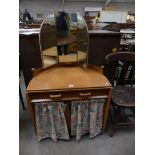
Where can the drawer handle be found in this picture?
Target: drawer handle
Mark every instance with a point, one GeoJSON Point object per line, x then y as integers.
{"type": "Point", "coordinates": [85, 94]}
{"type": "Point", "coordinates": [55, 96]}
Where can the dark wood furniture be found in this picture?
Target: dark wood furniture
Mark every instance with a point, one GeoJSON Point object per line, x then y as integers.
{"type": "Point", "coordinates": [101, 43]}
{"type": "Point", "coordinates": [35, 24]}
{"type": "Point", "coordinates": [126, 25]}
{"type": "Point", "coordinates": [59, 83]}
{"type": "Point", "coordinates": [30, 54]}
{"type": "Point", "coordinates": [120, 69]}
{"type": "Point", "coordinates": [29, 26]}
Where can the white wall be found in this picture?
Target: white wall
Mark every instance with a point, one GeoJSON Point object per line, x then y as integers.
{"type": "Point", "coordinates": [49, 6]}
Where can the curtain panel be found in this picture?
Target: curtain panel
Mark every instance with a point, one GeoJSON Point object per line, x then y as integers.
{"type": "Point", "coordinates": [86, 117]}
{"type": "Point", "coordinates": [50, 121]}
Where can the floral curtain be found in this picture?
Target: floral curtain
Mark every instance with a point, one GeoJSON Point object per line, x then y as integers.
{"type": "Point", "coordinates": [50, 121]}
{"type": "Point", "coordinates": [86, 117]}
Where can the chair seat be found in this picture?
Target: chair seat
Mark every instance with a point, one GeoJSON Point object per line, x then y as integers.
{"type": "Point", "coordinates": [123, 96]}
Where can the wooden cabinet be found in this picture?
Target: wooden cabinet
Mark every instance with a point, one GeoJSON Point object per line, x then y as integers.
{"type": "Point", "coordinates": [30, 55]}
{"type": "Point", "coordinates": [101, 43]}
{"type": "Point", "coordinates": [87, 84]}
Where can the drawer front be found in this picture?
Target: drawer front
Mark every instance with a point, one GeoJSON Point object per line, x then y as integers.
{"type": "Point", "coordinates": [68, 95]}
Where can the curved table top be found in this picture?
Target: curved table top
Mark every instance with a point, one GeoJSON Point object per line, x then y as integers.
{"type": "Point", "coordinates": [68, 78]}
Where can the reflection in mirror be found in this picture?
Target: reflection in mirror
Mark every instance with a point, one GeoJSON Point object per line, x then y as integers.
{"type": "Point", "coordinates": [48, 42]}
{"type": "Point", "coordinates": [67, 46]}
{"type": "Point", "coordinates": [82, 40]}
{"type": "Point", "coordinates": [65, 38]}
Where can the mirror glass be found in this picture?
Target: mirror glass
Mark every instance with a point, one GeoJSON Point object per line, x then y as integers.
{"type": "Point", "coordinates": [48, 42]}
{"type": "Point", "coordinates": [82, 40]}
{"type": "Point", "coordinates": [68, 47]}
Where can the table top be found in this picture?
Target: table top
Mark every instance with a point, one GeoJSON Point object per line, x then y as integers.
{"type": "Point", "coordinates": [97, 29]}
{"type": "Point", "coordinates": [68, 78]}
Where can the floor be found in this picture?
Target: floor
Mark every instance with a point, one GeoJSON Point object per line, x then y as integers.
{"type": "Point", "coordinates": [122, 143]}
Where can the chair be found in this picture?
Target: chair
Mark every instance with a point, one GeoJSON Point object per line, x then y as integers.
{"type": "Point", "coordinates": [120, 70]}
{"type": "Point", "coordinates": [131, 47]}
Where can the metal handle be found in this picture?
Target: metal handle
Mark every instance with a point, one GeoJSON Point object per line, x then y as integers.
{"type": "Point", "coordinates": [85, 94]}
{"type": "Point", "coordinates": [55, 96]}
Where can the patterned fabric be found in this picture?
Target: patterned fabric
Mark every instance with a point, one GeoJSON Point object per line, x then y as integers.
{"type": "Point", "coordinates": [96, 116]}
{"type": "Point", "coordinates": [86, 117]}
{"type": "Point", "coordinates": [50, 121]}
{"type": "Point", "coordinates": [79, 118]}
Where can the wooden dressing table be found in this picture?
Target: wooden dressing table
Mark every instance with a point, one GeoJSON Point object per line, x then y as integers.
{"type": "Point", "coordinates": [71, 83]}
{"type": "Point", "coordinates": [62, 83]}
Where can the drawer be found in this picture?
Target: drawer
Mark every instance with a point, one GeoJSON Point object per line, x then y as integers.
{"type": "Point", "coordinates": [68, 95]}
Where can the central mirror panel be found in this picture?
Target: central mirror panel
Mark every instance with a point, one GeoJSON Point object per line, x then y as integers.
{"type": "Point", "coordinates": [69, 47]}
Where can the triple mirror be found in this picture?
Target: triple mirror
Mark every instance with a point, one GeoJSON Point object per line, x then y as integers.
{"type": "Point", "coordinates": [69, 49]}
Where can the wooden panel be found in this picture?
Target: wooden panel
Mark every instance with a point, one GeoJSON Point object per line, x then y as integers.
{"type": "Point", "coordinates": [100, 45]}
{"type": "Point", "coordinates": [64, 78]}
{"type": "Point", "coordinates": [68, 95]}
{"type": "Point", "coordinates": [30, 54]}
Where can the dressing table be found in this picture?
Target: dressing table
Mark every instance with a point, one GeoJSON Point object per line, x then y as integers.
{"type": "Point", "coordinates": [59, 83]}
{"type": "Point", "coordinates": [69, 81]}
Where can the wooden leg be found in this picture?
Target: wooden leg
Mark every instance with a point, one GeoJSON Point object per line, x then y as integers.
{"type": "Point", "coordinates": [110, 115]}
{"type": "Point", "coordinates": [114, 122]}
{"type": "Point", "coordinates": [109, 119]}
{"type": "Point", "coordinates": [32, 111]}
{"type": "Point", "coordinates": [105, 111]}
